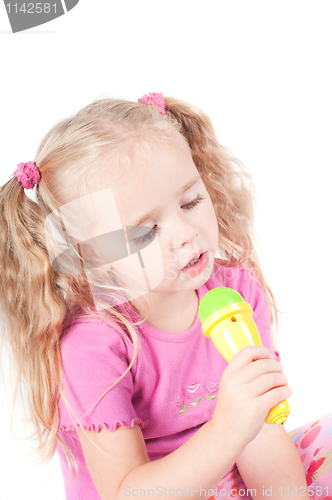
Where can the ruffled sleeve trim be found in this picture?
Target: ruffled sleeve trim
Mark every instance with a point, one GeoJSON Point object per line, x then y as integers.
{"type": "Point", "coordinates": [96, 428]}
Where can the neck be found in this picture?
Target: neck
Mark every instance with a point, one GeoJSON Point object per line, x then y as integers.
{"type": "Point", "coordinates": [174, 313]}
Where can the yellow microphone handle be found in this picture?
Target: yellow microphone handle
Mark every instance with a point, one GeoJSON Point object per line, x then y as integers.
{"type": "Point", "coordinates": [233, 332]}
{"type": "Point", "coordinates": [279, 413]}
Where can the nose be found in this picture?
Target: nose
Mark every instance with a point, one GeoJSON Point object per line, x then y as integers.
{"type": "Point", "coordinates": [183, 232]}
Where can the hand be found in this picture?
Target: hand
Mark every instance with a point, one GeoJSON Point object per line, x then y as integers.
{"type": "Point", "coordinates": [251, 384]}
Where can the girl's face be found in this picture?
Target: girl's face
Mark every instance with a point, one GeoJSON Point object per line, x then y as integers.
{"type": "Point", "coordinates": [166, 203]}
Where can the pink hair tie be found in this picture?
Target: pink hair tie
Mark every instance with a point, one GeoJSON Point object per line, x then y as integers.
{"type": "Point", "coordinates": [156, 100]}
{"type": "Point", "coordinates": [27, 174]}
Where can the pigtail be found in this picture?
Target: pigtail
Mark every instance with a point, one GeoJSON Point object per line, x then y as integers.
{"type": "Point", "coordinates": [32, 312]}
{"type": "Point", "coordinates": [37, 300]}
{"type": "Point", "coordinates": [231, 189]}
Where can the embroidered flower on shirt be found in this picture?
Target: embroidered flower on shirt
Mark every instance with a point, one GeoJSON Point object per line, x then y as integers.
{"type": "Point", "coordinates": [193, 388]}
{"type": "Point", "coordinates": [210, 398]}
{"type": "Point", "coordinates": [195, 403]}
{"type": "Point", "coordinates": [212, 387]}
{"type": "Point", "coordinates": [184, 408]}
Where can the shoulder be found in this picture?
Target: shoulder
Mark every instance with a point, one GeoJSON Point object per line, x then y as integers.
{"type": "Point", "coordinates": [89, 334]}
{"type": "Point", "coordinates": [95, 375]}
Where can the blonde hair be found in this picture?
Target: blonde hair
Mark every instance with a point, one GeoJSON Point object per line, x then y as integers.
{"type": "Point", "coordinates": [36, 300]}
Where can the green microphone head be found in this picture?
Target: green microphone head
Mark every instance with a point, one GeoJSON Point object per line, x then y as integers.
{"type": "Point", "coordinates": [216, 299]}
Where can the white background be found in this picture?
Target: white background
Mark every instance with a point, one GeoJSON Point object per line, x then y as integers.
{"type": "Point", "coordinates": [262, 72]}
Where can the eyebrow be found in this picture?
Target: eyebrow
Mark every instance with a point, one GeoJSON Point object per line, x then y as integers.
{"type": "Point", "coordinates": [152, 213]}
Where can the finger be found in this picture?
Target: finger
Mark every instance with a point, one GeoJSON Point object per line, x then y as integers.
{"type": "Point", "coordinates": [247, 355]}
{"type": "Point", "coordinates": [259, 367]}
{"type": "Point", "coordinates": [275, 396]}
{"type": "Point", "coordinates": [266, 383]}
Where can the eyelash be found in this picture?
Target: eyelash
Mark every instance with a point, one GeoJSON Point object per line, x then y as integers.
{"type": "Point", "coordinates": [188, 206]}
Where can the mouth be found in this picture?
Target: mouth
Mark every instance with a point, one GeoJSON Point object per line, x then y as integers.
{"type": "Point", "coordinates": [196, 265]}
{"type": "Point", "coordinates": [194, 258]}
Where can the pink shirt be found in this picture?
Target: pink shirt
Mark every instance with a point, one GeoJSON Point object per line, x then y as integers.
{"type": "Point", "coordinates": [170, 391]}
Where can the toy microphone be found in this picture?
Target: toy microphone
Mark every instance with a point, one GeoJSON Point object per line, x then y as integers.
{"type": "Point", "coordinates": [226, 318]}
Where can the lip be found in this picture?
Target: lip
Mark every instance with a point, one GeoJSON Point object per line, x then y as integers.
{"type": "Point", "coordinates": [200, 265]}
{"type": "Point", "coordinates": [194, 256]}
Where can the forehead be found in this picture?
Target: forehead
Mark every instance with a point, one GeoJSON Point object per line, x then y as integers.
{"type": "Point", "coordinates": [155, 165]}
{"type": "Point", "coordinates": [149, 181]}
{"type": "Point", "coordinates": [153, 181]}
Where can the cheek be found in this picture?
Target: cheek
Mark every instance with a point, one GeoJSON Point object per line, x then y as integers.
{"type": "Point", "coordinates": [169, 259]}
{"type": "Point", "coordinates": [210, 216]}
{"type": "Point", "coordinates": [211, 224]}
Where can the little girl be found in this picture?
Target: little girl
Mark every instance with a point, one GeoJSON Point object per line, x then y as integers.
{"type": "Point", "coordinates": [100, 285]}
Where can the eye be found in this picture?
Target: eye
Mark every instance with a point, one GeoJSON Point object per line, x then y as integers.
{"type": "Point", "coordinates": [151, 234]}
{"type": "Point", "coordinates": [146, 237]}
{"type": "Point", "coordinates": [195, 202]}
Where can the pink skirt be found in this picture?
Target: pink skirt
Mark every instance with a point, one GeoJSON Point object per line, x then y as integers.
{"type": "Point", "coordinates": [314, 445]}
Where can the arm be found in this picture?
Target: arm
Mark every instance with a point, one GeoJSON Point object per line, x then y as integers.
{"type": "Point", "coordinates": [119, 463]}
{"type": "Point", "coordinates": [121, 467]}
{"type": "Point", "coordinates": [272, 461]}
